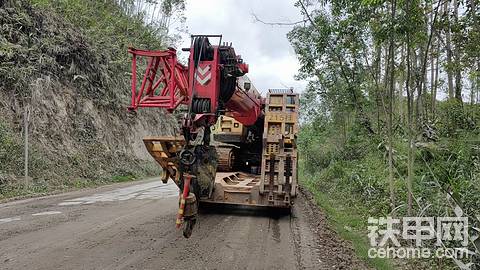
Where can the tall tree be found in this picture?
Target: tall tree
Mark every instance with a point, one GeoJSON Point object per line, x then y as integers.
{"type": "Point", "coordinates": [457, 52]}
{"type": "Point", "coordinates": [448, 48]}
{"type": "Point", "coordinates": [391, 53]}
{"type": "Point", "coordinates": [410, 129]}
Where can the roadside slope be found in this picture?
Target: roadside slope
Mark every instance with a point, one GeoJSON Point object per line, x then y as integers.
{"type": "Point", "coordinates": [67, 63]}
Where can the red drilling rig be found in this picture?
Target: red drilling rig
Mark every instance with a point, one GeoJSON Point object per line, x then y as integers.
{"type": "Point", "coordinates": [214, 86]}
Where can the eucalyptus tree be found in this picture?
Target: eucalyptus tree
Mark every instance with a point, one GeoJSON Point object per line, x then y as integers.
{"type": "Point", "coordinates": [158, 14]}
{"type": "Point", "coordinates": [335, 50]}
{"type": "Point", "coordinates": [331, 49]}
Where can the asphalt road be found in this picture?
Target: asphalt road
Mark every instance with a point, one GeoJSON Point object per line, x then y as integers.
{"type": "Point", "coordinates": [132, 226]}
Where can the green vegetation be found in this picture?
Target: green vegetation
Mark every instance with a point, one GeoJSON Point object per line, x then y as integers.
{"type": "Point", "coordinates": [67, 61]}
{"type": "Point", "coordinates": [43, 181]}
{"type": "Point", "coordinates": [84, 42]}
{"type": "Point", "coordinates": [349, 177]}
{"type": "Point", "coordinates": [346, 219]}
{"type": "Point", "coordinates": [377, 138]}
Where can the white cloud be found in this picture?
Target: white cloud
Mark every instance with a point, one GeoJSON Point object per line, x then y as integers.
{"type": "Point", "coordinates": [265, 48]}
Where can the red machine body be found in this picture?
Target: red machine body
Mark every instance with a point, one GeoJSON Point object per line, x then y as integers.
{"type": "Point", "coordinates": [208, 86]}
{"type": "Point", "coordinates": [167, 91]}
{"type": "Point", "coordinates": [211, 85]}
{"type": "Point", "coordinates": [245, 107]}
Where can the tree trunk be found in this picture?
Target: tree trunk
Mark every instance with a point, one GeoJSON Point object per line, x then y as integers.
{"type": "Point", "coordinates": [473, 4]}
{"type": "Point", "coordinates": [448, 47]}
{"type": "Point", "coordinates": [432, 67]}
{"type": "Point", "coordinates": [391, 53]}
{"type": "Point", "coordinates": [435, 88]}
{"type": "Point", "coordinates": [419, 84]}
{"type": "Point", "coordinates": [378, 73]}
{"type": "Point", "coordinates": [472, 90]}
{"type": "Point", "coordinates": [410, 136]}
{"type": "Point", "coordinates": [410, 122]}
{"type": "Point", "coordinates": [401, 84]}
{"type": "Point", "coordinates": [458, 69]}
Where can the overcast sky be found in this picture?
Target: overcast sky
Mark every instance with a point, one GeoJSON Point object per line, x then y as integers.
{"type": "Point", "coordinates": [271, 59]}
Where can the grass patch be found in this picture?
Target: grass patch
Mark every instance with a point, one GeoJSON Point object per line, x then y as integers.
{"type": "Point", "coordinates": [123, 178]}
{"type": "Point", "coordinates": [350, 225]}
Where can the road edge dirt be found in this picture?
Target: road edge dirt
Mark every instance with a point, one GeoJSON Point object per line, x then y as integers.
{"type": "Point", "coordinates": [331, 251]}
